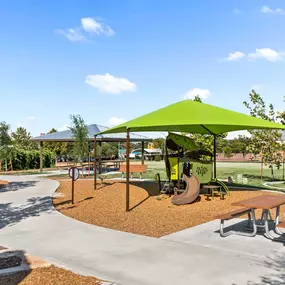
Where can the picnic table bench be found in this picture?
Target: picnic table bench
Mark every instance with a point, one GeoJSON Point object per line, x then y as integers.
{"type": "Point", "coordinates": [234, 214]}
{"type": "Point", "coordinates": [263, 202]}
{"type": "Point", "coordinates": [134, 168]}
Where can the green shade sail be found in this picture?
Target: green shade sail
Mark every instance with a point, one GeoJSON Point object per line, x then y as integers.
{"type": "Point", "coordinates": [194, 117]}
{"type": "Point", "coordinates": [174, 141]}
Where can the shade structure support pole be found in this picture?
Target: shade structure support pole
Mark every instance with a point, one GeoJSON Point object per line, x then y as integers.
{"type": "Point", "coordinates": [215, 157]}
{"type": "Point", "coordinates": [95, 163]}
{"type": "Point", "coordinates": [142, 152]}
{"type": "Point", "coordinates": [215, 150]}
{"type": "Point", "coordinates": [128, 171]}
{"type": "Point", "coordinates": [100, 157]}
{"type": "Point", "coordinates": [41, 156]}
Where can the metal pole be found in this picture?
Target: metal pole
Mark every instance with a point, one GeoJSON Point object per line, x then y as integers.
{"type": "Point", "coordinates": [95, 164]}
{"type": "Point", "coordinates": [41, 156]}
{"type": "Point", "coordinates": [283, 170]}
{"type": "Point", "coordinates": [100, 157]}
{"type": "Point", "coordinates": [72, 193]}
{"type": "Point", "coordinates": [128, 171]}
{"type": "Point", "coordinates": [142, 152]}
{"type": "Point", "coordinates": [215, 158]}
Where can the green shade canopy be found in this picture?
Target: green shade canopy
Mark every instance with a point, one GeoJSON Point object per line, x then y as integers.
{"type": "Point", "coordinates": [193, 117]}
{"type": "Point", "coordinates": [174, 141]}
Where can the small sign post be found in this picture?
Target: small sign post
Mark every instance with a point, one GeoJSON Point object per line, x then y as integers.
{"type": "Point", "coordinates": [74, 174]}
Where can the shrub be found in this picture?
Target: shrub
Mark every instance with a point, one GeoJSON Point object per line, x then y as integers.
{"type": "Point", "coordinates": [157, 158]}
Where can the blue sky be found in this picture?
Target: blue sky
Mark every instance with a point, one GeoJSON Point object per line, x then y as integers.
{"type": "Point", "coordinates": [115, 60]}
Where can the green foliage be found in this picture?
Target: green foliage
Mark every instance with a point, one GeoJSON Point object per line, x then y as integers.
{"type": "Point", "coordinates": [159, 143]}
{"type": "Point", "coordinates": [30, 159]}
{"type": "Point", "coordinates": [6, 147]}
{"type": "Point", "coordinates": [264, 142]}
{"type": "Point", "coordinates": [79, 129]}
{"type": "Point", "coordinates": [228, 152]}
{"type": "Point", "coordinates": [157, 158]}
{"type": "Point", "coordinates": [58, 148]}
{"type": "Point", "coordinates": [21, 138]}
{"type": "Point", "coordinates": [109, 150]}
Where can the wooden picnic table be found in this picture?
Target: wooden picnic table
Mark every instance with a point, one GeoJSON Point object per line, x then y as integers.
{"type": "Point", "coordinates": [265, 203]}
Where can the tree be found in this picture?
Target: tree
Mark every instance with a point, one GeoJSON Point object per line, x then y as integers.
{"type": "Point", "coordinates": [206, 142]}
{"type": "Point", "coordinates": [58, 148]}
{"type": "Point", "coordinates": [6, 147]}
{"type": "Point", "coordinates": [79, 129]}
{"type": "Point", "coordinates": [228, 152]}
{"type": "Point", "coordinates": [159, 143]}
{"type": "Point", "coordinates": [264, 142]}
{"type": "Point", "coordinates": [21, 138]}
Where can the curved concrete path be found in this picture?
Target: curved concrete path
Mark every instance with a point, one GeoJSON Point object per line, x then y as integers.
{"type": "Point", "coordinates": [29, 222]}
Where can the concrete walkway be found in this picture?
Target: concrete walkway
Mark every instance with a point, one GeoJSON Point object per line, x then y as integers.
{"type": "Point", "coordinates": [193, 256]}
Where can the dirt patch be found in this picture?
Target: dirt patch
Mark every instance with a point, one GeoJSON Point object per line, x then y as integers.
{"type": "Point", "coordinates": [47, 276]}
{"type": "Point", "coordinates": [4, 182]}
{"type": "Point", "coordinates": [152, 214]}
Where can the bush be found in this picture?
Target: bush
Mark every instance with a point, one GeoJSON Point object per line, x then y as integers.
{"type": "Point", "coordinates": [157, 158]}
{"type": "Point", "coordinates": [30, 159]}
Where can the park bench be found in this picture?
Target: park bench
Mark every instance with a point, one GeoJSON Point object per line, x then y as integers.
{"type": "Point", "coordinates": [230, 215]}
{"type": "Point", "coordinates": [134, 168]}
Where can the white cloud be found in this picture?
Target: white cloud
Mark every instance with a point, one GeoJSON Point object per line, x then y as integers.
{"type": "Point", "coordinates": [107, 83]}
{"type": "Point", "coordinates": [233, 135]}
{"type": "Point", "coordinates": [257, 87]}
{"type": "Point", "coordinates": [237, 11]}
{"type": "Point", "coordinates": [31, 118]}
{"type": "Point", "coordinates": [277, 11]}
{"type": "Point", "coordinates": [73, 35]}
{"type": "Point", "coordinates": [92, 26]}
{"type": "Point", "coordinates": [265, 53]}
{"type": "Point", "coordinates": [114, 121]}
{"type": "Point", "coordinates": [203, 93]}
{"type": "Point", "coordinates": [234, 56]}
{"type": "Point", "coordinates": [63, 128]}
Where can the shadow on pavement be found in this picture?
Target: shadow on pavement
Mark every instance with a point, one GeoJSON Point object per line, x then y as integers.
{"type": "Point", "coordinates": [34, 207]}
{"type": "Point", "coordinates": [18, 185]}
{"type": "Point", "coordinates": [277, 264]}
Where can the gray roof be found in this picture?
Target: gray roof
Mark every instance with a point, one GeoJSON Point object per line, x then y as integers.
{"type": "Point", "coordinates": [66, 136]}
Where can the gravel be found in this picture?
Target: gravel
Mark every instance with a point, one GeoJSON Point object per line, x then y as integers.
{"type": "Point", "coordinates": [48, 276]}
{"type": "Point", "coordinates": [153, 215]}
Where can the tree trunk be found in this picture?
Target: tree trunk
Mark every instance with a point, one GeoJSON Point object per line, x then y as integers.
{"type": "Point", "coordinates": [6, 165]}
{"type": "Point", "coordinates": [11, 164]}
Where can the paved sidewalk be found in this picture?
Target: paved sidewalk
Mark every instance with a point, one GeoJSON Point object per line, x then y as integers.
{"type": "Point", "coordinates": [29, 222]}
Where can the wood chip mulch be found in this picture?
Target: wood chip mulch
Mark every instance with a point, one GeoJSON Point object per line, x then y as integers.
{"type": "Point", "coordinates": [48, 276]}
{"type": "Point", "coordinates": [152, 214]}
{"type": "Point", "coordinates": [4, 182]}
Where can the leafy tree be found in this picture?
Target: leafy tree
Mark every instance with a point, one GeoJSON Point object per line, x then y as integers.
{"type": "Point", "coordinates": [109, 150]}
{"type": "Point", "coordinates": [159, 143]}
{"type": "Point", "coordinates": [228, 152]}
{"type": "Point", "coordinates": [264, 142]}
{"type": "Point", "coordinates": [6, 147]}
{"type": "Point", "coordinates": [206, 142]}
{"type": "Point", "coordinates": [22, 139]}
{"type": "Point", "coordinates": [79, 129]}
{"type": "Point", "coordinates": [58, 148]}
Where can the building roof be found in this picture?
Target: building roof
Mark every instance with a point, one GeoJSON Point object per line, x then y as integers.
{"type": "Point", "coordinates": [66, 136]}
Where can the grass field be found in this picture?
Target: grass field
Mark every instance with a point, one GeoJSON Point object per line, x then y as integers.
{"type": "Point", "coordinates": [251, 171]}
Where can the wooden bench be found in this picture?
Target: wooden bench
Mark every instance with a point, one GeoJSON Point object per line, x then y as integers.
{"type": "Point", "coordinates": [234, 214]}
{"type": "Point", "coordinates": [134, 168]}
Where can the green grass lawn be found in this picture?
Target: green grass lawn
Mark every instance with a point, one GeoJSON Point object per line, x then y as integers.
{"type": "Point", "coordinates": [251, 171]}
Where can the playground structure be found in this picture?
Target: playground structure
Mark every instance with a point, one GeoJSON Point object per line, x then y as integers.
{"type": "Point", "coordinates": [183, 158]}
{"type": "Point", "coordinates": [187, 116]}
